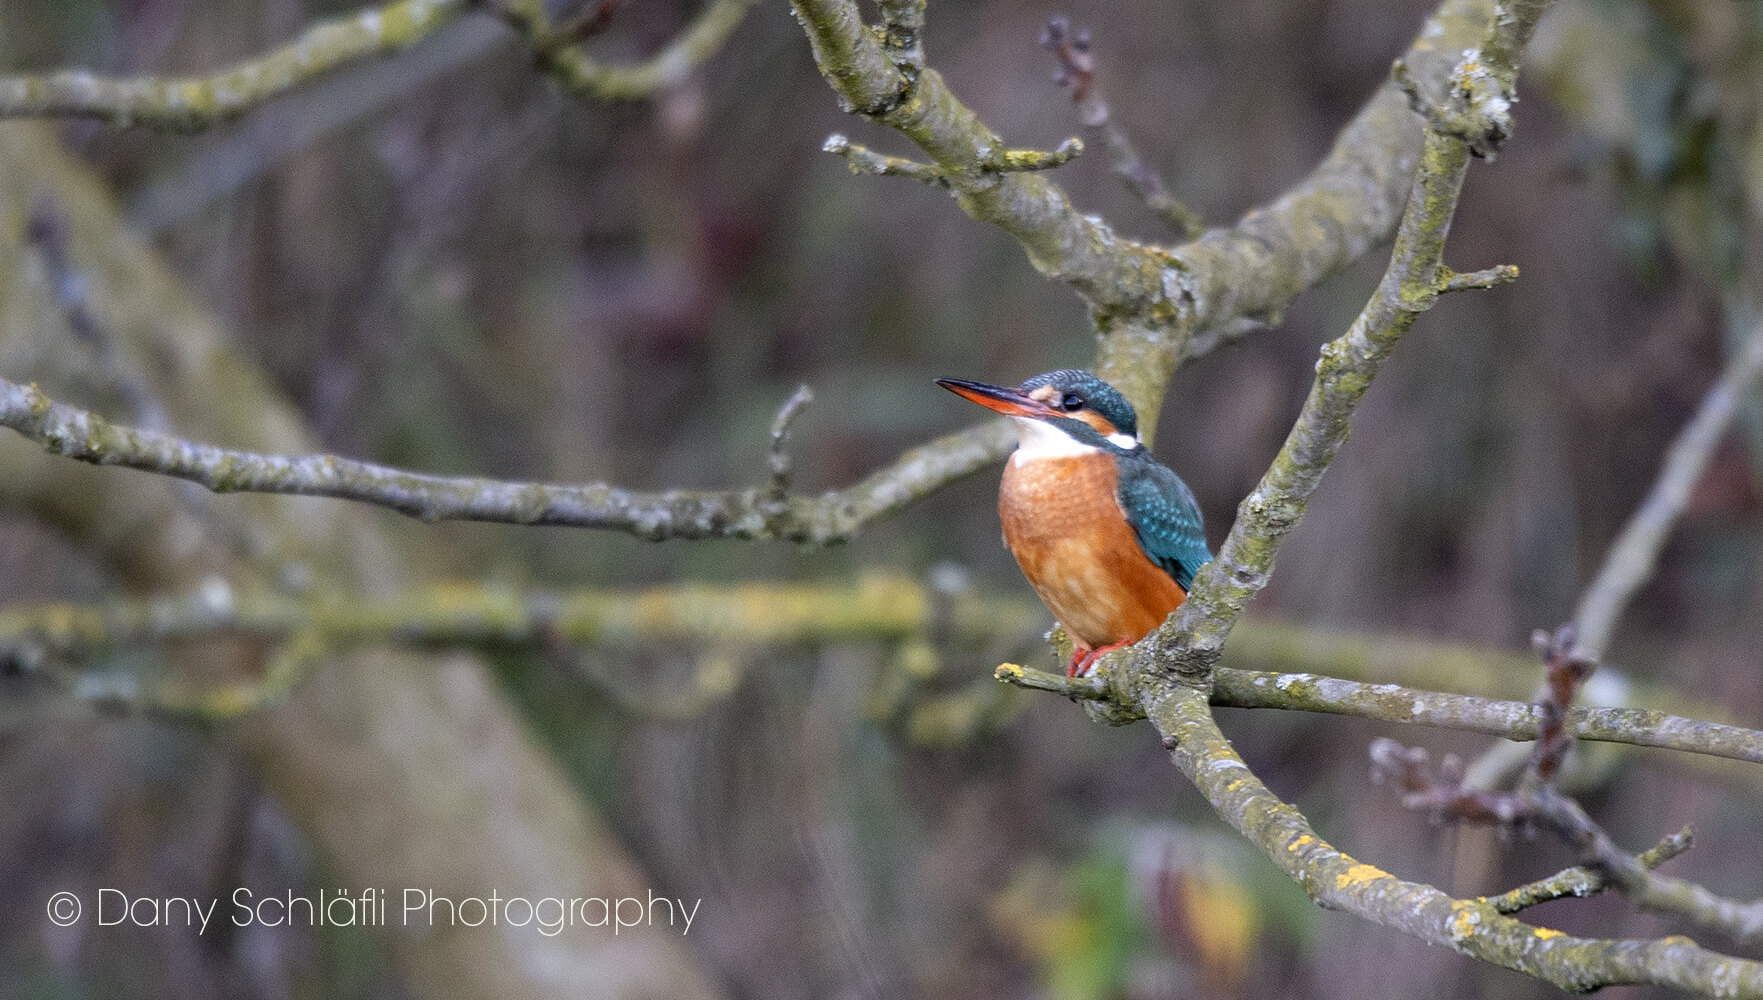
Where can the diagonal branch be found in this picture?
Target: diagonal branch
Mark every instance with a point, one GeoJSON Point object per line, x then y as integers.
{"type": "Point", "coordinates": [1415, 278]}
{"type": "Point", "coordinates": [1635, 552]}
{"type": "Point", "coordinates": [583, 76]}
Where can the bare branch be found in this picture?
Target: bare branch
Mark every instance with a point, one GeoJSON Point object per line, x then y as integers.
{"type": "Point", "coordinates": [1151, 304]}
{"type": "Point", "coordinates": [199, 102]}
{"type": "Point", "coordinates": [694, 514]}
{"type": "Point", "coordinates": [1486, 278]}
{"type": "Point", "coordinates": [863, 160]}
{"type": "Point", "coordinates": [1581, 882]}
{"type": "Point", "coordinates": [1076, 688]}
{"type": "Point", "coordinates": [778, 459]}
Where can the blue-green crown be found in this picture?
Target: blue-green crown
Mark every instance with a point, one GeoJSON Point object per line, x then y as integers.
{"type": "Point", "coordinates": [1091, 392]}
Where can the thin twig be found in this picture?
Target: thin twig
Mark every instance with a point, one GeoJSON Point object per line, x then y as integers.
{"type": "Point", "coordinates": [1580, 882]}
{"type": "Point", "coordinates": [863, 160]}
{"type": "Point", "coordinates": [1077, 73]}
{"type": "Point", "coordinates": [583, 76]}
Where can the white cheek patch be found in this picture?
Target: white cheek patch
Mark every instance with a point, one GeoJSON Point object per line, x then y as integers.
{"type": "Point", "coordinates": [1125, 442]}
{"type": "Point", "coordinates": [1039, 439]}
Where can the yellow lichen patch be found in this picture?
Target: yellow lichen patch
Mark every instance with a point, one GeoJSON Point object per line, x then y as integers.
{"type": "Point", "coordinates": [1007, 670]}
{"type": "Point", "coordinates": [1465, 918]}
{"type": "Point", "coordinates": [1359, 875]}
{"type": "Point", "coordinates": [1545, 933]}
{"type": "Point", "coordinates": [1301, 843]}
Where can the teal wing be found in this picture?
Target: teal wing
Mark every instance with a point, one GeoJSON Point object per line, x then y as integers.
{"type": "Point", "coordinates": [1162, 512]}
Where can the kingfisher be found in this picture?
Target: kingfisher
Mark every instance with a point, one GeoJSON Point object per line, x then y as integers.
{"type": "Point", "coordinates": [1109, 537]}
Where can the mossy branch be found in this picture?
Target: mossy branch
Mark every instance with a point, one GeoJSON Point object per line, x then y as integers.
{"type": "Point", "coordinates": [585, 77]}
{"type": "Point", "coordinates": [1153, 306]}
{"type": "Point", "coordinates": [198, 102]}
{"type": "Point", "coordinates": [1580, 881]}
{"type": "Point", "coordinates": [193, 103]}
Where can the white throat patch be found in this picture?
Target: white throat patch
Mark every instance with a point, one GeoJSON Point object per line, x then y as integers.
{"type": "Point", "coordinates": [1038, 439]}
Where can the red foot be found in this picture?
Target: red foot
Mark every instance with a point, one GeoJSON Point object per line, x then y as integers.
{"type": "Point", "coordinates": [1084, 659]}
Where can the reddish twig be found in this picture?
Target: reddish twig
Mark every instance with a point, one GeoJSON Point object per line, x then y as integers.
{"type": "Point", "coordinates": [1077, 74]}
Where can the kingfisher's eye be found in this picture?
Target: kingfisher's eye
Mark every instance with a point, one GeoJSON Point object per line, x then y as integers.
{"type": "Point", "coordinates": [1071, 402]}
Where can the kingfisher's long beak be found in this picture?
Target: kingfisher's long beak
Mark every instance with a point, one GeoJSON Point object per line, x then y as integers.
{"type": "Point", "coordinates": [1010, 402]}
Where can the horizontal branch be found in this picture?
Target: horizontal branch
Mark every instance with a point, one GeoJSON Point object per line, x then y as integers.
{"type": "Point", "coordinates": [1512, 720]}
{"type": "Point", "coordinates": [198, 102]}
{"type": "Point", "coordinates": [754, 513]}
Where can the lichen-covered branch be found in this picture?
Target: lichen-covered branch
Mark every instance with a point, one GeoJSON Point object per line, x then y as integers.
{"type": "Point", "coordinates": [1416, 276]}
{"type": "Point", "coordinates": [1644, 887]}
{"type": "Point", "coordinates": [1153, 306]}
{"type": "Point", "coordinates": [1580, 882]}
{"type": "Point", "coordinates": [1473, 927]}
{"type": "Point", "coordinates": [1632, 556]}
{"type": "Point", "coordinates": [583, 76]}
{"type": "Point", "coordinates": [1512, 720]}
{"type": "Point", "coordinates": [198, 102]}
{"type": "Point", "coordinates": [1537, 802]}
{"type": "Point", "coordinates": [756, 513]}
{"type": "Point", "coordinates": [863, 160]}
{"type": "Point", "coordinates": [877, 607]}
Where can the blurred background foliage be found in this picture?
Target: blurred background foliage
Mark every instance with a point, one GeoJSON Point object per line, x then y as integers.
{"type": "Point", "coordinates": [449, 266]}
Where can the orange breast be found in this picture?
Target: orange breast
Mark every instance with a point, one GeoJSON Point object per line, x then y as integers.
{"type": "Point", "coordinates": [1063, 522]}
